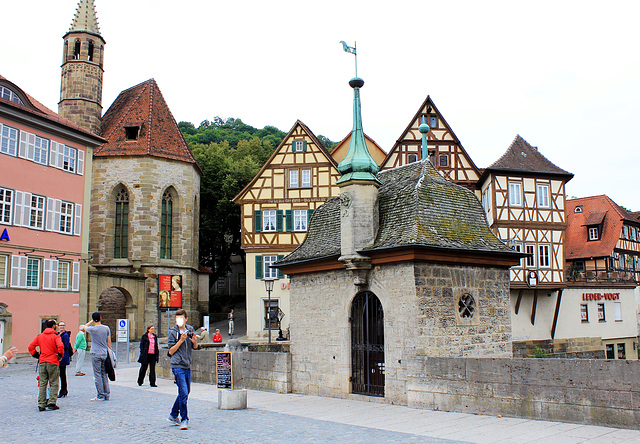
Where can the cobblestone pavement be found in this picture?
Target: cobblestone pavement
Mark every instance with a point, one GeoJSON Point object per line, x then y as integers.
{"type": "Point", "coordinates": [138, 414]}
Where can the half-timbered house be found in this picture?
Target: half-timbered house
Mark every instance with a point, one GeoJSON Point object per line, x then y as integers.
{"type": "Point", "coordinates": [340, 150]}
{"type": "Point", "coordinates": [275, 209]}
{"type": "Point", "coordinates": [523, 195]}
{"type": "Point", "coordinates": [446, 152]}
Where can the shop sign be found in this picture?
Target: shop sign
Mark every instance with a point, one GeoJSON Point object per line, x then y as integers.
{"type": "Point", "coordinates": [600, 296]}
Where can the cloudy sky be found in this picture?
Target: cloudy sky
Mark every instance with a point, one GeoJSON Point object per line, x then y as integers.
{"type": "Point", "coordinates": [565, 75]}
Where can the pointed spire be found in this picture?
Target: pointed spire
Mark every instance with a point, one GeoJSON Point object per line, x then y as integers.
{"type": "Point", "coordinates": [358, 163]}
{"type": "Point", "coordinates": [85, 19]}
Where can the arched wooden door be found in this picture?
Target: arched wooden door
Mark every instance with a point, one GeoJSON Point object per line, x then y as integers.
{"type": "Point", "coordinates": [367, 345]}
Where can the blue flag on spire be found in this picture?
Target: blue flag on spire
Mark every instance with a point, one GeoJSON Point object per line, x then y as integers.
{"type": "Point", "coordinates": [351, 49]}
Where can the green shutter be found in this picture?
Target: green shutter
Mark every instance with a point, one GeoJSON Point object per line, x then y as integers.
{"type": "Point", "coordinates": [257, 221]}
{"type": "Point", "coordinates": [304, 146]}
{"type": "Point", "coordinates": [278, 220]}
{"type": "Point", "coordinates": [259, 269]}
{"type": "Point", "coordinates": [280, 275]}
{"type": "Point", "coordinates": [293, 146]}
{"type": "Point", "coordinates": [289, 217]}
{"type": "Point", "coordinates": [309, 214]}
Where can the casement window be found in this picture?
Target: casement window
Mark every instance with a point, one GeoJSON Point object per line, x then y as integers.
{"type": "Point", "coordinates": [297, 220]}
{"type": "Point", "coordinates": [263, 267]}
{"type": "Point", "coordinates": [4, 266]}
{"type": "Point", "coordinates": [617, 311]}
{"type": "Point", "coordinates": [6, 206]}
{"type": "Point", "coordinates": [411, 158]}
{"type": "Point", "coordinates": [306, 178]}
{"type": "Point", "coordinates": [64, 274]}
{"type": "Point", "coordinates": [625, 232]}
{"type": "Point", "coordinates": [601, 317]}
{"type": "Point", "coordinates": [8, 140]}
{"type": "Point", "coordinates": [433, 122]}
{"type": "Point", "coordinates": [25, 272]}
{"type": "Point", "coordinates": [515, 194]}
{"type": "Point", "coordinates": [543, 256]}
{"type": "Point", "coordinates": [166, 226]}
{"type": "Point", "coordinates": [584, 313]}
{"type": "Point", "coordinates": [63, 217]}
{"type": "Point", "coordinates": [7, 94]}
{"type": "Point", "coordinates": [270, 314]}
{"type": "Point", "coordinates": [34, 148]}
{"type": "Point", "coordinates": [121, 234]}
{"type": "Point", "coordinates": [299, 146]}
{"type": "Point", "coordinates": [66, 158]}
{"type": "Point", "coordinates": [443, 160]}
{"type": "Point", "coordinates": [269, 220]}
{"type": "Point", "coordinates": [622, 354]}
{"type": "Point", "coordinates": [29, 210]}
{"type": "Point", "coordinates": [593, 233]}
{"type": "Point", "coordinates": [543, 196]}
{"type": "Point", "coordinates": [69, 159]}
{"type": "Point", "coordinates": [517, 246]}
{"type": "Point", "coordinates": [293, 179]}
{"type": "Point", "coordinates": [531, 250]}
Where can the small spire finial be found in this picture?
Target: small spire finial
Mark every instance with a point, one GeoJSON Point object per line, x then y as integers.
{"type": "Point", "coordinates": [424, 129]}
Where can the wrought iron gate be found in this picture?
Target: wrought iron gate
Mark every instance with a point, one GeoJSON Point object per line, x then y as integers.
{"type": "Point", "coordinates": [367, 345]}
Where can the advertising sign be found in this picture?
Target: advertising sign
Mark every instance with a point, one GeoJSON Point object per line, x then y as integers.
{"type": "Point", "coordinates": [224, 374]}
{"type": "Point", "coordinates": [169, 291]}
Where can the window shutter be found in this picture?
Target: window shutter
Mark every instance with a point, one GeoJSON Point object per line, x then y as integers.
{"type": "Point", "coordinates": [259, 270]}
{"type": "Point", "coordinates": [18, 208]}
{"type": "Point", "coordinates": [257, 221]}
{"type": "Point", "coordinates": [46, 281]}
{"type": "Point", "coordinates": [26, 210]}
{"type": "Point", "coordinates": [56, 214]}
{"type": "Point", "coordinates": [31, 147]}
{"type": "Point", "coordinates": [77, 222]}
{"type": "Point", "coordinates": [280, 275]}
{"type": "Point", "coordinates": [24, 140]}
{"type": "Point", "coordinates": [304, 145]}
{"type": "Point", "coordinates": [279, 220]}
{"type": "Point", "coordinates": [50, 207]}
{"type": "Point", "coordinates": [19, 271]}
{"type": "Point", "coordinates": [293, 146]}
{"type": "Point", "coordinates": [309, 214]}
{"type": "Point", "coordinates": [53, 154]}
{"type": "Point", "coordinates": [76, 277]}
{"type": "Point", "coordinates": [54, 274]}
{"type": "Point", "coordinates": [80, 169]}
{"type": "Point", "coordinates": [289, 223]}
{"type": "Point", "coordinates": [60, 161]}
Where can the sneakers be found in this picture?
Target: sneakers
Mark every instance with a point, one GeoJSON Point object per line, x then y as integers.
{"type": "Point", "coordinates": [184, 425]}
{"type": "Point", "coordinates": [80, 374]}
{"type": "Point", "coordinates": [173, 420]}
{"type": "Point", "coordinates": [97, 399]}
{"type": "Point", "coordinates": [52, 407]}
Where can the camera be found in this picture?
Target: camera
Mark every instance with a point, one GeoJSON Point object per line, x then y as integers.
{"type": "Point", "coordinates": [190, 334]}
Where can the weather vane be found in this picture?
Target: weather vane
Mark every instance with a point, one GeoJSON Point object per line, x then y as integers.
{"type": "Point", "coordinates": [352, 50]}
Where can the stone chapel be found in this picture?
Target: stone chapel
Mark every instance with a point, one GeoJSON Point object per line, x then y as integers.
{"type": "Point", "coordinates": [145, 192]}
{"type": "Point", "coordinates": [401, 266]}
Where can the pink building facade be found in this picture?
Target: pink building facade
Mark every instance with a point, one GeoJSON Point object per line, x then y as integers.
{"type": "Point", "coordinates": [45, 174]}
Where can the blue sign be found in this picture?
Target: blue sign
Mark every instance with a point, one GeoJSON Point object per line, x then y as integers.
{"type": "Point", "coordinates": [123, 323]}
{"type": "Point", "coordinates": [5, 235]}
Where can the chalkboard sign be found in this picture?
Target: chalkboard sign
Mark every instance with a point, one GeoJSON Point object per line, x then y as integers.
{"type": "Point", "coordinates": [224, 373]}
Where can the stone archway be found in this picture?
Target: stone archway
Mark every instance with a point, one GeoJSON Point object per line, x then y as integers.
{"type": "Point", "coordinates": [112, 305]}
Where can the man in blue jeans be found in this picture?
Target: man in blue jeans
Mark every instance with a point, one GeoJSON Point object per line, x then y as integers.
{"type": "Point", "coordinates": [181, 340]}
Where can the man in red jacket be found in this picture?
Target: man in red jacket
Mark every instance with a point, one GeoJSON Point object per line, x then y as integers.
{"type": "Point", "coordinates": [51, 348]}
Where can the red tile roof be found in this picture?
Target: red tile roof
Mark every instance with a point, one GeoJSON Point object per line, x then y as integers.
{"type": "Point", "coordinates": [594, 209]}
{"type": "Point", "coordinates": [38, 109]}
{"type": "Point", "coordinates": [524, 158]}
{"type": "Point", "coordinates": [159, 136]}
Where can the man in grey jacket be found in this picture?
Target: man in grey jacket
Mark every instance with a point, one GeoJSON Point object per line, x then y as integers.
{"type": "Point", "coordinates": [181, 340]}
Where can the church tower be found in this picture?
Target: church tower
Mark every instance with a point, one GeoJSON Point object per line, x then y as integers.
{"type": "Point", "coordinates": [82, 58]}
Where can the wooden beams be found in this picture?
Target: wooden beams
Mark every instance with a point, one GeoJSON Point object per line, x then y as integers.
{"type": "Point", "coordinates": [519, 300]}
{"type": "Point", "coordinates": [555, 315]}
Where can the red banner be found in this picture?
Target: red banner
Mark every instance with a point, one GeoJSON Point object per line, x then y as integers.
{"type": "Point", "coordinates": [169, 291]}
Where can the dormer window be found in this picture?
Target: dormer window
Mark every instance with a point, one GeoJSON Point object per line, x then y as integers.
{"type": "Point", "coordinates": [7, 94]}
{"type": "Point", "coordinates": [443, 160]}
{"type": "Point", "coordinates": [132, 132]}
{"type": "Point", "coordinates": [594, 233]}
{"type": "Point", "coordinates": [578, 209]}
{"type": "Point", "coordinates": [411, 158]}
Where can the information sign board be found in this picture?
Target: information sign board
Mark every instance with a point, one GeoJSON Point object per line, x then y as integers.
{"type": "Point", "coordinates": [224, 371]}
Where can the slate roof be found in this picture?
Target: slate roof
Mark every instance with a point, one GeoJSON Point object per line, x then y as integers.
{"type": "Point", "coordinates": [143, 106]}
{"type": "Point", "coordinates": [85, 18]}
{"type": "Point", "coordinates": [523, 158]}
{"type": "Point", "coordinates": [35, 108]}
{"type": "Point", "coordinates": [418, 208]}
{"type": "Point", "coordinates": [595, 210]}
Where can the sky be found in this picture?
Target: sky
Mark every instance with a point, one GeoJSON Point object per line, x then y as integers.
{"type": "Point", "coordinates": [565, 75]}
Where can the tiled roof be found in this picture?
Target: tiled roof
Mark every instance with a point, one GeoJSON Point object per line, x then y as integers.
{"type": "Point", "coordinates": [418, 208]}
{"type": "Point", "coordinates": [159, 136]}
{"type": "Point", "coordinates": [635, 215]}
{"type": "Point", "coordinates": [36, 108]}
{"type": "Point", "coordinates": [523, 158]}
{"type": "Point", "coordinates": [577, 245]}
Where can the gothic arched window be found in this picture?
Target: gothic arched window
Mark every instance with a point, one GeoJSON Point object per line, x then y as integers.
{"type": "Point", "coordinates": [166, 225]}
{"type": "Point", "coordinates": [122, 224]}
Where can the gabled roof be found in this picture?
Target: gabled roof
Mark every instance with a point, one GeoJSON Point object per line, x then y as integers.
{"type": "Point", "coordinates": [415, 121]}
{"type": "Point", "coordinates": [521, 157]}
{"type": "Point", "coordinates": [36, 109]}
{"type": "Point", "coordinates": [596, 210]}
{"type": "Point", "coordinates": [286, 142]}
{"type": "Point", "coordinates": [85, 19]}
{"type": "Point", "coordinates": [143, 106]}
{"type": "Point", "coordinates": [340, 150]}
{"type": "Point", "coordinates": [418, 208]}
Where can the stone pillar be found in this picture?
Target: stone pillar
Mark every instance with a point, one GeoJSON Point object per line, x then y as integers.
{"type": "Point", "coordinates": [235, 399]}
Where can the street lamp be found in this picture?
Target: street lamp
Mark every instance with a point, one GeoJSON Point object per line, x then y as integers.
{"type": "Point", "coordinates": [268, 285]}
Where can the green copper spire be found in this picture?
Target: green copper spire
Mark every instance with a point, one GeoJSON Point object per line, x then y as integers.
{"type": "Point", "coordinates": [358, 163]}
{"type": "Point", "coordinates": [424, 129]}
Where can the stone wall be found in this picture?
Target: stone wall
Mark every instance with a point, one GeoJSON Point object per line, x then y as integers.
{"type": "Point", "coordinates": [583, 348]}
{"type": "Point", "coordinates": [599, 392]}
